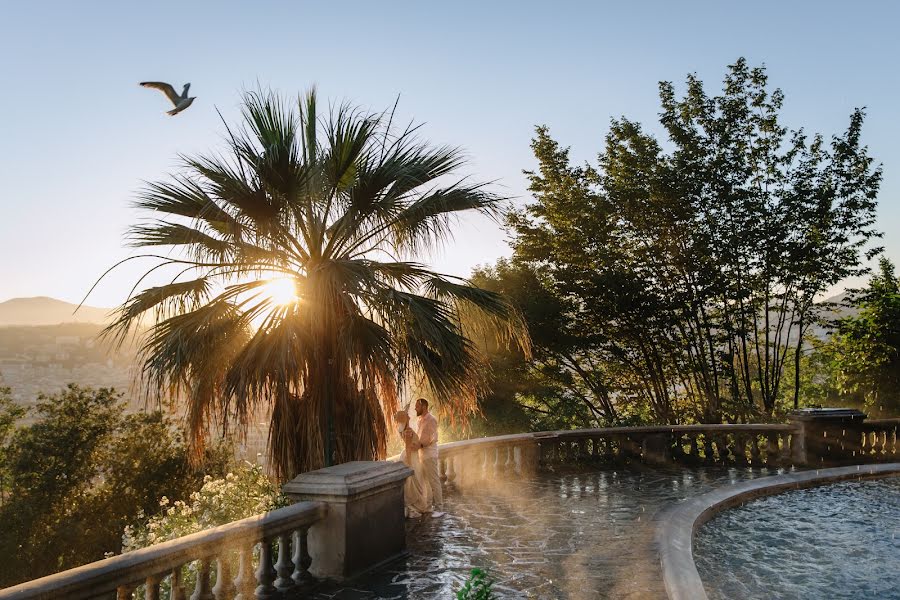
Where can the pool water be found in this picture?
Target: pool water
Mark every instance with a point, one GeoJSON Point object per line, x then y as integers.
{"type": "Point", "coordinates": [836, 541]}
{"type": "Point", "coordinates": [557, 535]}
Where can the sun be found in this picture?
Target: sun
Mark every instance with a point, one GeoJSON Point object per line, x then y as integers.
{"type": "Point", "coordinates": [281, 291]}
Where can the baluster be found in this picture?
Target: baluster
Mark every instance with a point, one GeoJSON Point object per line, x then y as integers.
{"type": "Point", "coordinates": [787, 440]}
{"type": "Point", "coordinates": [484, 461]}
{"type": "Point", "coordinates": [244, 582]}
{"type": "Point", "coordinates": [151, 588]}
{"type": "Point", "coordinates": [301, 557]}
{"type": "Point", "coordinates": [709, 456]}
{"type": "Point", "coordinates": [124, 592]}
{"type": "Point", "coordinates": [176, 582]}
{"type": "Point", "coordinates": [754, 450]}
{"type": "Point", "coordinates": [284, 567]}
{"type": "Point", "coordinates": [224, 587]}
{"type": "Point", "coordinates": [582, 449]}
{"type": "Point", "coordinates": [201, 589]}
{"type": "Point", "coordinates": [495, 463]}
{"type": "Point", "coordinates": [510, 459]}
{"type": "Point", "coordinates": [740, 449]}
{"type": "Point", "coordinates": [722, 445]}
{"type": "Point", "coordinates": [451, 470]}
{"type": "Point", "coordinates": [771, 449]}
{"type": "Point", "coordinates": [265, 574]}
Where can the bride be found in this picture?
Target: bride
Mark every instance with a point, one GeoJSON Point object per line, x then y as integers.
{"type": "Point", "coordinates": [414, 490]}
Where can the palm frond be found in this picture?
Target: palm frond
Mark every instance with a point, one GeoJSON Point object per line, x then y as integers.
{"type": "Point", "coordinates": [340, 205]}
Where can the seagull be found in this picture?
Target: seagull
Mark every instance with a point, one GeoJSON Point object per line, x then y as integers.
{"type": "Point", "coordinates": [181, 102]}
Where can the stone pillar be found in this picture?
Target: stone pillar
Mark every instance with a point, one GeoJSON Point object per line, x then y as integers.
{"type": "Point", "coordinates": [364, 525]}
{"type": "Point", "coordinates": [826, 437]}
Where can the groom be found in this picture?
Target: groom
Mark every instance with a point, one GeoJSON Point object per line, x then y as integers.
{"type": "Point", "coordinates": [428, 454]}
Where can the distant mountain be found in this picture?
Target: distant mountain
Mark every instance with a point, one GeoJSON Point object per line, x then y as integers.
{"type": "Point", "coordinates": [42, 310]}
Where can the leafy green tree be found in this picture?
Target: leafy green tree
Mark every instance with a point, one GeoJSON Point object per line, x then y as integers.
{"type": "Point", "coordinates": [563, 385]}
{"type": "Point", "coordinates": [336, 209]}
{"type": "Point", "coordinates": [690, 273]}
{"type": "Point", "coordinates": [82, 472]}
{"type": "Point", "coordinates": [10, 412]}
{"type": "Point", "coordinates": [865, 348]}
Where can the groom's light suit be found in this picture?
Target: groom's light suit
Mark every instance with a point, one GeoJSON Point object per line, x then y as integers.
{"type": "Point", "coordinates": [428, 454]}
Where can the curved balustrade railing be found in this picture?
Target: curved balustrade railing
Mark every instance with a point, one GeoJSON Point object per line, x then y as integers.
{"type": "Point", "coordinates": [232, 561]}
{"type": "Point", "coordinates": [880, 440]}
{"type": "Point", "coordinates": [267, 556]}
{"type": "Point", "coordinates": [741, 445]}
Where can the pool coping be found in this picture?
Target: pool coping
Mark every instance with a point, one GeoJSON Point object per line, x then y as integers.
{"type": "Point", "coordinates": [676, 525]}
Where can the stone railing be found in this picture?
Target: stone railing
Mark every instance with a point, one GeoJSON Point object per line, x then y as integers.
{"type": "Point", "coordinates": [345, 520]}
{"type": "Point", "coordinates": [812, 438]}
{"type": "Point", "coordinates": [224, 566]}
{"type": "Point", "coordinates": [349, 518]}
{"type": "Point", "coordinates": [740, 445]}
{"type": "Point", "coordinates": [880, 440]}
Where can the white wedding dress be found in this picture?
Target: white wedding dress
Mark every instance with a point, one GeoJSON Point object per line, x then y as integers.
{"type": "Point", "coordinates": [414, 490]}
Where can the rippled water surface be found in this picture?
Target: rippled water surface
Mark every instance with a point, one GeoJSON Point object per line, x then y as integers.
{"type": "Point", "coordinates": [836, 541]}
{"type": "Point", "coordinates": [576, 535]}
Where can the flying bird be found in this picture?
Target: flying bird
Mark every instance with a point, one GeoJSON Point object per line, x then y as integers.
{"type": "Point", "coordinates": [181, 102]}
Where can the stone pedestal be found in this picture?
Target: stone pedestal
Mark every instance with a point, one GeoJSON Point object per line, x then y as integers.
{"type": "Point", "coordinates": [364, 525]}
{"type": "Point", "coordinates": [825, 437]}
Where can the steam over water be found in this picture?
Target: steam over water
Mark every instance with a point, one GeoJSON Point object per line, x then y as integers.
{"type": "Point", "coordinates": [573, 534]}
{"type": "Point", "coordinates": [836, 541]}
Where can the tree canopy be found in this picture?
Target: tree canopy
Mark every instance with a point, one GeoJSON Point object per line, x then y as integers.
{"type": "Point", "coordinates": [689, 267]}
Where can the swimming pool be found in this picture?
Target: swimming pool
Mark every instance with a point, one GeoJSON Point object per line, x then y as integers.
{"type": "Point", "coordinates": [836, 541]}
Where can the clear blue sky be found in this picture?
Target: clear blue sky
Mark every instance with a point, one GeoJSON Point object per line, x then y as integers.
{"type": "Point", "coordinates": [79, 135]}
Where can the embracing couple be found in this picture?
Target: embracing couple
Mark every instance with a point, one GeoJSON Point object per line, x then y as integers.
{"type": "Point", "coordinates": [420, 453]}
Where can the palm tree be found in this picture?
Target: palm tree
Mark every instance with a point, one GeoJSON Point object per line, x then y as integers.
{"type": "Point", "coordinates": [334, 211]}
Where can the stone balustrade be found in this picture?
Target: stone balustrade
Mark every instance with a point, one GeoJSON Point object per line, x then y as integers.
{"type": "Point", "coordinates": [880, 440]}
{"type": "Point", "coordinates": [342, 522]}
{"type": "Point", "coordinates": [346, 519]}
{"type": "Point", "coordinates": [259, 557]}
{"type": "Point", "coordinates": [740, 445]}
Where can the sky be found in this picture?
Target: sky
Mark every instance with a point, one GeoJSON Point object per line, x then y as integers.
{"type": "Point", "coordinates": [79, 136]}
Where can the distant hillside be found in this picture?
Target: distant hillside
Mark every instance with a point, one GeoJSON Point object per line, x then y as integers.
{"type": "Point", "coordinates": [48, 311]}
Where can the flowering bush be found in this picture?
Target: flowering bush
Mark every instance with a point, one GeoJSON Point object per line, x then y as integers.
{"type": "Point", "coordinates": [240, 494]}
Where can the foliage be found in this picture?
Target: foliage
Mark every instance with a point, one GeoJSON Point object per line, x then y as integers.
{"type": "Point", "coordinates": [338, 209]}
{"type": "Point", "coordinates": [9, 414]}
{"type": "Point", "coordinates": [477, 587]}
{"type": "Point", "coordinates": [865, 349]}
{"type": "Point", "coordinates": [82, 472]}
{"type": "Point", "coordinates": [686, 277]}
{"type": "Point", "coordinates": [243, 492]}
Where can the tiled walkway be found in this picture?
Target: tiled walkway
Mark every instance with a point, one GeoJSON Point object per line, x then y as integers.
{"type": "Point", "coordinates": [582, 534]}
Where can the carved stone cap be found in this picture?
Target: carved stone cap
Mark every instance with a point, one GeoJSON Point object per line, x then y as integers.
{"type": "Point", "coordinates": [826, 414]}
{"type": "Point", "coordinates": [347, 481]}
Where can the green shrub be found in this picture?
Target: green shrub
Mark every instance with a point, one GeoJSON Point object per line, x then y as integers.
{"type": "Point", "coordinates": [477, 587]}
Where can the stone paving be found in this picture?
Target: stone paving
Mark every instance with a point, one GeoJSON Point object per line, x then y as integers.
{"type": "Point", "coordinates": [565, 534]}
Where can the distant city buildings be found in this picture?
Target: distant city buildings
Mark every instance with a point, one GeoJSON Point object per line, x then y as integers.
{"type": "Point", "coordinates": [38, 360]}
